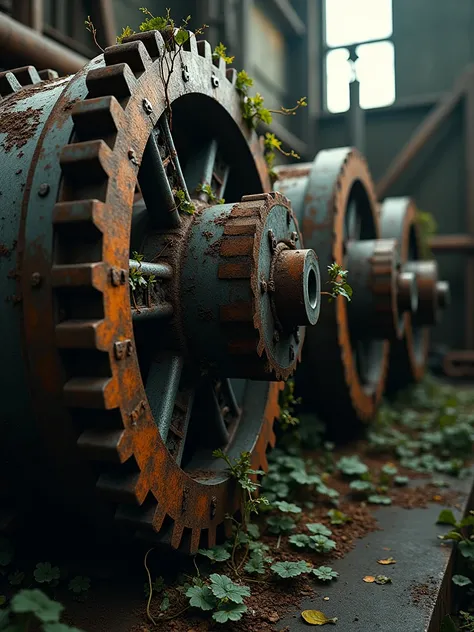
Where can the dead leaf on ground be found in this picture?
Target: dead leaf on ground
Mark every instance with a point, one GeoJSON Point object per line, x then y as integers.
{"type": "Point", "coordinates": [437, 498]}
{"type": "Point", "coordinates": [383, 579]}
{"type": "Point", "coordinates": [369, 579]}
{"type": "Point", "coordinates": [316, 617]}
{"type": "Point", "coordinates": [387, 561]}
{"type": "Point", "coordinates": [386, 548]}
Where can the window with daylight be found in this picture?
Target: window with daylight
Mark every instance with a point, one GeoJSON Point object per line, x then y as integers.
{"type": "Point", "coordinates": [365, 28]}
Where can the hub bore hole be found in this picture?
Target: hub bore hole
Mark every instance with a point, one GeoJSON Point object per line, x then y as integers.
{"type": "Point", "coordinates": [312, 288]}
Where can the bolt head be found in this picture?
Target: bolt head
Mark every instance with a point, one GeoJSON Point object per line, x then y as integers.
{"type": "Point", "coordinates": [185, 73]}
{"type": "Point", "coordinates": [263, 286]}
{"type": "Point", "coordinates": [276, 336]}
{"type": "Point", "coordinates": [215, 81]}
{"type": "Point", "coordinates": [43, 189]}
{"type": "Point", "coordinates": [147, 106]}
{"type": "Point", "coordinates": [35, 279]}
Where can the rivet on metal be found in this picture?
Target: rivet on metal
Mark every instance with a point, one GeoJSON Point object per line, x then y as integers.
{"type": "Point", "coordinates": [271, 286]}
{"type": "Point", "coordinates": [215, 81]}
{"type": "Point", "coordinates": [276, 336]}
{"type": "Point", "coordinates": [213, 507]}
{"type": "Point", "coordinates": [122, 348]}
{"type": "Point", "coordinates": [272, 239]}
{"type": "Point", "coordinates": [185, 73]}
{"type": "Point", "coordinates": [147, 106]}
{"type": "Point", "coordinates": [137, 412]}
{"type": "Point", "coordinates": [291, 353]}
{"type": "Point", "coordinates": [294, 236]}
{"type": "Point", "coordinates": [35, 279]}
{"type": "Point", "coordinates": [118, 276]}
{"type": "Point", "coordinates": [263, 286]}
{"type": "Point", "coordinates": [225, 411]}
{"type": "Point", "coordinates": [43, 189]}
{"type": "Point", "coordinates": [133, 158]}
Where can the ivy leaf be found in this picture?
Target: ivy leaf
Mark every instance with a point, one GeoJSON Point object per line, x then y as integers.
{"type": "Point", "coordinates": [321, 543]}
{"type": "Point", "coordinates": [299, 540]}
{"type": "Point", "coordinates": [467, 549]}
{"type": "Point", "coordinates": [461, 580]}
{"type": "Point", "coordinates": [46, 574]}
{"type": "Point", "coordinates": [165, 603]}
{"type": "Point", "coordinates": [216, 554]}
{"type": "Point", "coordinates": [317, 528]}
{"type": "Point", "coordinates": [338, 517]}
{"type": "Point", "coordinates": [280, 524]}
{"type": "Point", "coordinates": [286, 507]}
{"type": "Point", "coordinates": [253, 531]}
{"type": "Point", "coordinates": [229, 612]}
{"type": "Point", "coordinates": [401, 480]}
{"type": "Point", "coordinates": [36, 602]}
{"type": "Point", "coordinates": [451, 535]}
{"type": "Point", "coordinates": [446, 517]}
{"type": "Point", "coordinates": [223, 587]}
{"type": "Point", "coordinates": [390, 469]}
{"type": "Point", "coordinates": [16, 578]}
{"type": "Point", "coordinates": [325, 573]}
{"type": "Point", "coordinates": [375, 499]}
{"type": "Point", "coordinates": [285, 570]}
{"type": "Point", "coordinates": [79, 584]}
{"type": "Point", "coordinates": [352, 465]}
{"type": "Point", "coordinates": [361, 486]}
{"type": "Point", "coordinates": [255, 564]}
{"type": "Point", "coordinates": [201, 597]}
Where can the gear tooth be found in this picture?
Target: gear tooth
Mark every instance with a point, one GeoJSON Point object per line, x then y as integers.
{"type": "Point", "coordinates": [190, 44]}
{"type": "Point", "coordinates": [91, 392]}
{"type": "Point", "coordinates": [26, 75]}
{"type": "Point", "coordinates": [82, 334]}
{"type": "Point", "coordinates": [80, 275]}
{"type": "Point", "coordinates": [134, 54]}
{"type": "Point", "coordinates": [8, 83]}
{"type": "Point", "coordinates": [89, 161]}
{"type": "Point", "coordinates": [177, 535]}
{"type": "Point", "coordinates": [138, 517]}
{"type": "Point", "coordinates": [220, 64]}
{"type": "Point", "coordinates": [231, 74]}
{"type": "Point", "coordinates": [120, 487]}
{"type": "Point", "coordinates": [104, 445]}
{"type": "Point", "coordinates": [195, 540]}
{"type": "Point", "coordinates": [117, 80]}
{"type": "Point", "coordinates": [81, 212]}
{"type": "Point", "coordinates": [47, 74]}
{"type": "Point", "coordinates": [211, 537]}
{"type": "Point", "coordinates": [96, 118]}
{"type": "Point", "coordinates": [152, 40]}
{"type": "Point", "coordinates": [204, 49]}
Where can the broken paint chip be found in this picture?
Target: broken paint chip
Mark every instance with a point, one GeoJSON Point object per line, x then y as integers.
{"type": "Point", "coordinates": [316, 617]}
{"type": "Point", "coordinates": [387, 561]}
{"type": "Point", "coordinates": [369, 579]}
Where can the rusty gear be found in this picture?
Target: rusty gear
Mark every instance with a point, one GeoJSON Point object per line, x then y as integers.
{"type": "Point", "coordinates": [121, 386]}
{"type": "Point", "coordinates": [335, 203]}
{"type": "Point", "coordinates": [408, 355]}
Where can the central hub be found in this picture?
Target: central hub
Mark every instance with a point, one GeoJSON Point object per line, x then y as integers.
{"type": "Point", "coordinates": [248, 289]}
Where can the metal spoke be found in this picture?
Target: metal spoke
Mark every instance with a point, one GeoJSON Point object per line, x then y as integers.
{"type": "Point", "coordinates": [205, 168]}
{"type": "Point", "coordinates": [157, 312]}
{"type": "Point", "coordinates": [156, 189]}
{"type": "Point", "coordinates": [158, 270]}
{"type": "Point", "coordinates": [162, 388]}
{"type": "Point", "coordinates": [172, 155]}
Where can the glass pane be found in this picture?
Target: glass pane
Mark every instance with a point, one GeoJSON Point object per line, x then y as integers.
{"type": "Point", "coordinates": [352, 21]}
{"type": "Point", "coordinates": [375, 70]}
{"type": "Point", "coordinates": [338, 75]}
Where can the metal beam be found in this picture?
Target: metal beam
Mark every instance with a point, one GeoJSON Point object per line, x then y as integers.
{"type": "Point", "coordinates": [423, 134]}
{"type": "Point", "coordinates": [452, 243]}
{"type": "Point", "coordinates": [29, 12]}
{"type": "Point", "coordinates": [32, 48]}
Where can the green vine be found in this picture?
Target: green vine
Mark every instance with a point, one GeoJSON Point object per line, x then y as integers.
{"type": "Point", "coordinates": [138, 281]}
{"type": "Point", "coordinates": [207, 189]}
{"type": "Point", "coordinates": [338, 281]}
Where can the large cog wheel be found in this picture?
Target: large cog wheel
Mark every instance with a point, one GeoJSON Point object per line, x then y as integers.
{"type": "Point", "coordinates": [140, 411]}
{"type": "Point", "coordinates": [346, 357]}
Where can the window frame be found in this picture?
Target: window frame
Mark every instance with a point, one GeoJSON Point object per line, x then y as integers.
{"type": "Point", "coordinates": [325, 49]}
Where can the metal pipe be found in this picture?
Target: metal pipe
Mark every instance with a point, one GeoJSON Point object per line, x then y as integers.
{"type": "Point", "coordinates": [33, 48]}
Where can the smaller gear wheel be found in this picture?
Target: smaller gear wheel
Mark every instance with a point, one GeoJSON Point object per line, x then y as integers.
{"type": "Point", "coordinates": [261, 288]}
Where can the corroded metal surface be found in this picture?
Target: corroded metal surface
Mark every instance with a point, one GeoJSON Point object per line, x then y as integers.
{"type": "Point", "coordinates": [337, 213]}
{"type": "Point", "coordinates": [115, 383]}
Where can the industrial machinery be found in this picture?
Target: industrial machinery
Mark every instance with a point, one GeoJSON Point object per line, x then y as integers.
{"type": "Point", "coordinates": [408, 354]}
{"type": "Point", "coordinates": [146, 320]}
{"type": "Point", "coordinates": [346, 358]}
{"type": "Point", "coordinates": [142, 323]}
